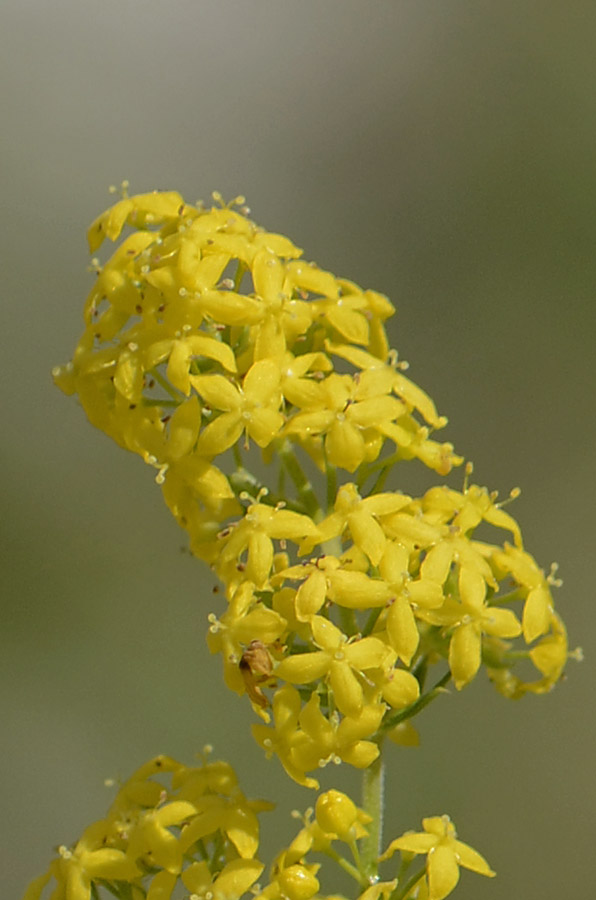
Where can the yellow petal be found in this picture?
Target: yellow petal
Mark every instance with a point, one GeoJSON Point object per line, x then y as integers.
{"type": "Point", "coordinates": [184, 428]}
{"type": "Point", "coordinates": [437, 562]}
{"type": "Point", "coordinates": [367, 534]}
{"type": "Point", "coordinates": [303, 668]}
{"type": "Point", "coordinates": [424, 593]}
{"type": "Point", "coordinates": [471, 859]}
{"type": "Point", "coordinates": [326, 634]}
{"type": "Point", "coordinates": [411, 842]}
{"type": "Point", "coordinates": [217, 392]}
{"type": "Point", "coordinates": [220, 434]}
{"type": "Point", "coordinates": [464, 654]}
{"type": "Point", "coordinates": [35, 888]}
{"type": "Point", "coordinates": [350, 323]}
{"type": "Point", "coordinates": [236, 878]}
{"type": "Point", "coordinates": [402, 690]}
{"type": "Point", "coordinates": [260, 558]}
{"type": "Point", "coordinates": [537, 613]}
{"type": "Point", "coordinates": [310, 596]}
{"type": "Point", "coordinates": [347, 690]}
{"type": "Point", "coordinates": [368, 653]}
{"type": "Point", "coordinates": [263, 425]}
{"type": "Point", "coordinates": [355, 590]}
{"type": "Point", "coordinates": [345, 445]}
{"type": "Point", "coordinates": [197, 877]}
{"type": "Point", "coordinates": [443, 872]}
{"type": "Point", "coordinates": [472, 588]}
{"type": "Point", "coordinates": [402, 629]}
{"type": "Point", "coordinates": [360, 754]}
{"type": "Point", "coordinates": [242, 828]}
{"type": "Point", "coordinates": [310, 278]}
{"type": "Point", "coordinates": [267, 275]}
{"type": "Point", "coordinates": [162, 886]}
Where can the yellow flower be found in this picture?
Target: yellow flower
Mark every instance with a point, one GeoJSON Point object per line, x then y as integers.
{"type": "Point", "coordinates": [141, 210]}
{"type": "Point", "coordinates": [255, 533]}
{"type": "Point", "coordinates": [361, 517]}
{"type": "Point", "coordinates": [339, 661]}
{"type": "Point", "coordinates": [283, 736]}
{"type": "Point", "coordinates": [252, 409]}
{"type": "Point", "coordinates": [444, 855]}
{"type": "Point", "coordinates": [349, 413]}
{"type": "Point", "coordinates": [152, 831]}
{"type": "Point", "coordinates": [245, 620]}
{"type": "Point", "coordinates": [153, 842]}
{"type": "Point", "coordinates": [336, 813]}
{"type": "Point", "coordinates": [538, 606]}
{"type": "Point", "coordinates": [322, 739]}
{"type": "Point", "coordinates": [379, 889]}
{"type": "Point", "coordinates": [466, 510]}
{"type": "Point", "coordinates": [75, 870]}
{"type": "Point", "coordinates": [299, 390]}
{"type": "Point", "coordinates": [234, 880]}
{"type": "Point", "coordinates": [549, 655]}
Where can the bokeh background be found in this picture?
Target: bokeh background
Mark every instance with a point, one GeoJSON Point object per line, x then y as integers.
{"type": "Point", "coordinates": [440, 151]}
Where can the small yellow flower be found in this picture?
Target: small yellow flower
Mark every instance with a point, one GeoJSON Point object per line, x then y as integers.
{"type": "Point", "coordinates": [282, 738]}
{"type": "Point", "coordinates": [444, 855]}
{"type": "Point", "coordinates": [255, 533]}
{"type": "Point", "coordinates": [245, 620]}
{"type": "Point", "coordinates": [361, 518]}
{"type": "Point", "coordinates": [252, 409]}
{"type": "Point", "coordinates": [339, 661]}
{"type": "Point", "coordinates": [75, 870]}
{"type": "Point", "coordinates": [348, 407]}
{"type": "Point", "coordinates": [382, 889]}
{"type": "Point", "coordinates": [336, 813]}
{"type": "Point", "coordinates": [152, 831]}
{"type": "Point", "coordinates": [234, 880]}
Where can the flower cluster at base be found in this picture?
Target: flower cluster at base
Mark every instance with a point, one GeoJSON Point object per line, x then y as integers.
{"type": "Point", "coordinates": [200, 835]}
{"type": "Point", "coordinates": [205, 336]}
{"type": "Point", "coordinates": [201, 832]}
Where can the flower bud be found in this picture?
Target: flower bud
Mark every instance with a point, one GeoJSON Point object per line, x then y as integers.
{"type": "Point", "coordinates": [336, 813]}
{"type": "Point", "coordinates": [297, 883]}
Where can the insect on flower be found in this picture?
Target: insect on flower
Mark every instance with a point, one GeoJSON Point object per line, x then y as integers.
{"type": "Point", "coordinates": [256, 667]}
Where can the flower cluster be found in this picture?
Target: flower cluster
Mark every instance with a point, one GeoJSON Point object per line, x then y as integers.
{"type": "Point", "coordinates": [200, 834]}
{"type": "Point", "coordinates": [209, 342]}
{"type": "Point", "coordinates": [206, 334]}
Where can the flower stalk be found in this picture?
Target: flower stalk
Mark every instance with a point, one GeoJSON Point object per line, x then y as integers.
{"type": "Point", "coordinates": [373, 803]}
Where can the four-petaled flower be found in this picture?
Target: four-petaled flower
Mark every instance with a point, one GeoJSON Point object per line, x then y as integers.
{"type": "Point", "coordinates": [444, 855]}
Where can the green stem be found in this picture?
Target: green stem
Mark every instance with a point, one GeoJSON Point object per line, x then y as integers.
{"type": "Point", "coordinates": [373, 796]}
{"type": "Point", "coordinates": [408, 886]}
{"type": "Point", "coordinates": [384, 463]}
{"type": "Point", "coordinates": [301, 482]}
{"type": "Point", "coordinates": [166, 386]}
{"type": "Point", "coordinates": [511, 597]}
{"type": "Point", "coordinates": [244, 482]}
{"type": "Point", "coordinates": [380, 481]}
{"type": "Point", "coordinates": [240, 270]}
{"type": "Point", "coordinates": [345, 865]}
{"type": "Point", "coordinates": [331, 472]}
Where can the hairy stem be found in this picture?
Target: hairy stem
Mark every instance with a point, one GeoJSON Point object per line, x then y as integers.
{"type": "Point", "coordinates": [373, 800]}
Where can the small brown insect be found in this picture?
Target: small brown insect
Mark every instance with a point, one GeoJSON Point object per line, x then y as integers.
{"type": "Point", "coordinates": [256, 667]}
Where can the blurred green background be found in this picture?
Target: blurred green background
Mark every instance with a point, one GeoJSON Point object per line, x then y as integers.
{"type": "Point", "coordinates": [440, 152]}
